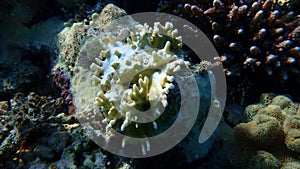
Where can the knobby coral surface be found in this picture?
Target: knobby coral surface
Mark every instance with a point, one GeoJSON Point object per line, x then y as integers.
{"type": "Point", "coordinates": [255, 39]}
{"type": "Point", "coordinates": [34, 133]}
{"type": "Point", "coordinates": [273, 126]}
{"type": "Point", "coordinates": [250, 35]}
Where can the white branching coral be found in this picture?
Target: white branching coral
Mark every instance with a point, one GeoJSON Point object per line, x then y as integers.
{"type": "Point", "coordinates": [125, 73]}
{"type": "Point", "coordinates": [131, 85]}
{"type": "Point", "coordinates": [133, 77]}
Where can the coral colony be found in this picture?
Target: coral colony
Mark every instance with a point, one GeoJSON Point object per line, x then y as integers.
{"type": "Point", "coordinates": [118, 77]}
{"type": "Point", "coordinates": [249, 35]}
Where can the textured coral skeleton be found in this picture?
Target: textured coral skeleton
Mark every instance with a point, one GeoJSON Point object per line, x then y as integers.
{"type": "Point", "coordinates": [27, 115]}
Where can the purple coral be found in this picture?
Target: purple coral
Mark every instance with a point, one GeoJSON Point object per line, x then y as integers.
{"type": "Point", "coordinates": [63, 82]}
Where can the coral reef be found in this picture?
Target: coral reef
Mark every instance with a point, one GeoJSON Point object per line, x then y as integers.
{"type": "Point", "coordinates": [123, 78]}
{"type": "Point", "coordinates": [27, 115]}
{"type": "Point", "coordinates": [263, 35]}
{"type": "Point", "coordinates": [34, 133]}
{"type": "Point", "coordinates": [115, 73]}
{"type": "Point", "coordinates": [255, 39]}
{"type": "Point", "coordinates": [273, 126]}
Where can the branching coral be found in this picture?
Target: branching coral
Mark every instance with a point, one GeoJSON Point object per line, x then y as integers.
{"type": "Point", "coordinates": [255, 39]}
{"type": "Point", "coordinates": [154, 70]}
{"type": "Point", "coordinates": [143, 62]}
{"type": "Point", "coordinates": [251, 35]}
{"type": "Point", "coordinates": [137, 63]}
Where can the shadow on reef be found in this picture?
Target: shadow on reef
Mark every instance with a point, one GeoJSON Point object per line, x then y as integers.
{"type": "Point", "coordinates": [30, 73]}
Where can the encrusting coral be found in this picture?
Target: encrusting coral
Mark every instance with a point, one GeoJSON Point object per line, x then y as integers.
{"type": "Point", "coordinates": [272, 125]}
{"type": "Point", "coordinates": [123, 76]}
{"type": "Point", "coordinates": [27, 115]}
{"type": "Point", "coordinates": [34, 133]}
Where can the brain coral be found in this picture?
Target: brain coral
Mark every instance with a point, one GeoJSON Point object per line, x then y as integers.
{"type": "Point", "coordinates": [273, 125]}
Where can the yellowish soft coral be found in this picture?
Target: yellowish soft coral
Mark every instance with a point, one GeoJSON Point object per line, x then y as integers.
{"type": "Point", "coordinates": [263, 160]}
{"type": "Point", "coordinates": [260, 130]}
{"type": "Point", "coordinates": [276, 115]}
{"type": "Point", "coordinates": [274, 126]}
